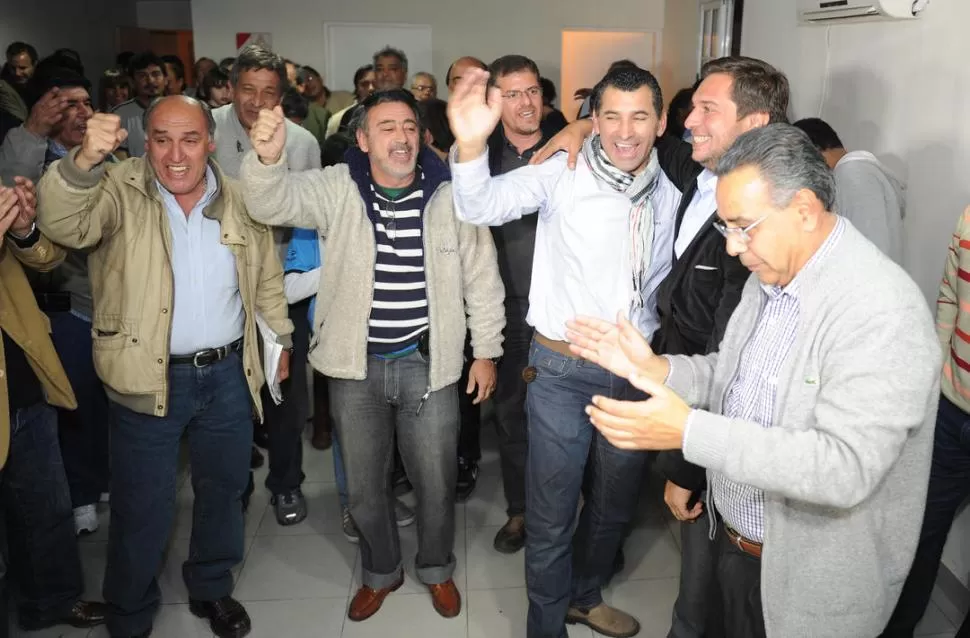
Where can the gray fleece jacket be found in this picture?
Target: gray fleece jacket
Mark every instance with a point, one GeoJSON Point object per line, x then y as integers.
{"type": "Point", "coordinates": [461, 269]}
{"type": "Point", "coordinates": [846, 464]}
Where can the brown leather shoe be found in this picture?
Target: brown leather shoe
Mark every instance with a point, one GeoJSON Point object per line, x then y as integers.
{"type": "Point", "coordinates": [445, 598]}
{"type": "Point", "coordinates": [368, 601]}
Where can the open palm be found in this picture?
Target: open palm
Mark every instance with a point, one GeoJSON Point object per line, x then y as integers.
{"type": "Point", "coordinates": [619, 347]}
{"type": "Point", "coordinates": [474, 109]}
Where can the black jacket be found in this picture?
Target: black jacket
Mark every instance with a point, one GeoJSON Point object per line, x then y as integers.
{"type": "Point", "coordinates": [695, 304]}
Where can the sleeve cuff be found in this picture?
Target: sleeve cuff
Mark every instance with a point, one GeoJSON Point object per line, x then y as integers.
{"type": "Point", "coordinates": [680, 378]}
{"type": "Point", "coordinates": [26, 242]}
{"type": "Point", "coordinates": [708, 437]}
{"type": "Point", "coordinates": [75, 176]}
{"type": "Point", "coordinates": [466, 167]}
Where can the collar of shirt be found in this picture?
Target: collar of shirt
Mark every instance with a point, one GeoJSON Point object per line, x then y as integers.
{"type": "Point", "coordinates": [706, 182]}
{"type": "Point", "coordinates": [794, 287]}
{"type": "Point", "coordinates": [527, 153]}
{"type": "Point", "coordinates": [211, 186]}
{"type": "Point", "coordinates": [56, 148]}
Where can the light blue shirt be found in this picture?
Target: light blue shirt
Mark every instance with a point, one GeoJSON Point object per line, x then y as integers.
{"type": "Point", "coordinates": [208, 310]}
{"type": "Point", "coordinates": [582, 263]}
{"type": "Point", "coordinates": [702, 206]}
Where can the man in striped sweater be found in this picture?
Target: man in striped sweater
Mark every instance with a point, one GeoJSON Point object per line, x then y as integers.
{"type": "Point", "coordinates": [949, 483]}
{"type": "Point", "coordinates": [400, 276]}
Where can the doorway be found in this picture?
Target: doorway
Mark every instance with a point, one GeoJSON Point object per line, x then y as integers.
{"type": "Point", "coordinates": [587, 54]}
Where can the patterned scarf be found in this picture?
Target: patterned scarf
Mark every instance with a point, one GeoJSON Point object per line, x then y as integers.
{"type": "Point", "coordinates": [639, 188]}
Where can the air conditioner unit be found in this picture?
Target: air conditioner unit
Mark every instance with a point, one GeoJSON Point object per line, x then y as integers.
{"type": "Point", "coordinates": [839, 11]}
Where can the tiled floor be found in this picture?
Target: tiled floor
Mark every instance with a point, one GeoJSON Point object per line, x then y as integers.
{"type": "Point", "coordinates": [296, 581]}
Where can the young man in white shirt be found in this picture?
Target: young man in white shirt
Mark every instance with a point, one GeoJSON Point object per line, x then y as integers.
{"type": "Point", "coordinates": [603, 245]}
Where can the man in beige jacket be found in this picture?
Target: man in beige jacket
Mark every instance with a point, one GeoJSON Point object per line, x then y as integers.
{"type": "Point", "coordinates": [178, 273]}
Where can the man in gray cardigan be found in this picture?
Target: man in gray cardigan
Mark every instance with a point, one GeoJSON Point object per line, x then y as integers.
{"type": "Point", "coordinates": [400, 273]}
{"type": "Point", "coordinates": [815, 417]}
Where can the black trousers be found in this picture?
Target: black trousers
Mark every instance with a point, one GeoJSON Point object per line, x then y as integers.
{"type": "Point", "coordinates": [736, 610]}
{"type": "Point", "coordinates": [285, 422]}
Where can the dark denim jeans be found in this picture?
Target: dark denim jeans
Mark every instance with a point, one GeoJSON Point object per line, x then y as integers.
{"type": "Point", "coordinates": [42, 549]}
{"type": "Point", "coordinates": [562, 569]}
{"type": "Point", "coordinates": [366, 416]}
{"type": "Point", "coordinates": [212, 405]}
{"type": "Point", "coordinates": [949, 487]}
{"type": "Point", "coordinates": [83, 432]}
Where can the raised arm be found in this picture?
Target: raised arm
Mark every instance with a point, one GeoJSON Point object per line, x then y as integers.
{"type": "Point", "coordinates": [76, 207]}
{"type": "Point", "coordinates": [474, 111]}
{"type": "Point", "coordinates": [275, 195]}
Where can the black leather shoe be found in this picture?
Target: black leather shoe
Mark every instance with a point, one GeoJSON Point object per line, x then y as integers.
{"type": "Point", "coordinates": [227, 617]}
{"type": "Point", "coordinates": [467, 479]}
{"type": "Point", "coordinates": [83, 614]}
{"type": "Point", "coordinates": [290, 507]}
{"type": "Point", "coordinates": [511, 538]}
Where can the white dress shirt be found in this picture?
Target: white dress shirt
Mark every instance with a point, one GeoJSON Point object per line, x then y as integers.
{"type": "Point", "coordinates": [582, 260]}
{"type": "Point", "coordinates": [208, 311]}
{"type": "Point", "coordinates": [702, 206]}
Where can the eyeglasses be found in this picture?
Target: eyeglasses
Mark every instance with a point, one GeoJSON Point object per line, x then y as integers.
{"type": "Point", "coordinates": [421, 87]}
{"type": "Point", "coordinates": [741, 234]}
{"type": "Point", "coordinates": [532, 91]}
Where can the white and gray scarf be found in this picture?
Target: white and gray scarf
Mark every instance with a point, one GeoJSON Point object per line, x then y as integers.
{"type": "Point", "coordinates": [639, 188]}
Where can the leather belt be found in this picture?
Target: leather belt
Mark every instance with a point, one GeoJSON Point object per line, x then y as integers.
{"type": "Point", "coordinates": [204, 358]}
{"type": "Point", "coordinates": [559, 347]}
{"type": "Point", "coordinates": [749, 547]}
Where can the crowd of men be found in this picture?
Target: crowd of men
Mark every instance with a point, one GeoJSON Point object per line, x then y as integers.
{"type": "Point", "coordinates": [735, 303]}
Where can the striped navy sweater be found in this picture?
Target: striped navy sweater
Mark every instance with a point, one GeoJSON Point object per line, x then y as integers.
{"type": "Point", "coordinates": [399, 312]}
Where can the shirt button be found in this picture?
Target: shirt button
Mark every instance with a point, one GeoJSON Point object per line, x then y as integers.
{"type": "Point", "coordinates": [160, 362]}
{"type": "Point", "coordinates": [160, 407]}
{"type": "Point", "coordinates": [134, 340]}
{"type": "Point", "coordinates": [164, 311]}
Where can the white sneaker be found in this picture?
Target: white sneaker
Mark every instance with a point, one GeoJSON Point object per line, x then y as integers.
{"type": "Point", "coordinates": [85, 519]}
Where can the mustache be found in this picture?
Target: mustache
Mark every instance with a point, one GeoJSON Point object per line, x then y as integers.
{"type": "Point", "coordinates": [401, 147]}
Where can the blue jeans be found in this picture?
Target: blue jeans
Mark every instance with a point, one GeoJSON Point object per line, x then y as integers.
{"type": "Point", "coordinates": [212, 405]}
{"type": "Point", "coordinates": [42, 548]}
{"type": "Point", "coordinates": [83, 432]}
{"type": "Point", "coordinates": [561, 569]}
{"type": "Point", "coordinates": [949, 487]}
{"type": "Point", "coordinates": [366, 415]}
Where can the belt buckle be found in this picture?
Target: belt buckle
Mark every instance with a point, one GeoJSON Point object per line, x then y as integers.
{"type": "Point", "coordinates": [195, 358]}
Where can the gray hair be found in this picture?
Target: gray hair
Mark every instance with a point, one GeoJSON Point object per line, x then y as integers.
{"type": "Point", "coordinates": [255, 58]}
{"type": "Point", "coordinates": [786, 159]}
{"type": "Point", "coordinates": [391, 52]}
{"type": "Point", "coordinates": [210, 121]}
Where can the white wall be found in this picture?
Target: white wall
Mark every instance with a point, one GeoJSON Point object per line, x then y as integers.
{"type": "Point", "coordinates": [680, 46]}
{"type": "Point", "coordinates": [88, 27]}
{"type": "Point", "coordinates": [486, 30]}
{"type": "Point", "coordinates": [167, 15]}
{"type": "Point", "coordinates": [901, 90]}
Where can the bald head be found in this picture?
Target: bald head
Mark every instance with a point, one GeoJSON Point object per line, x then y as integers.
{"type": "Point", "coordinates": [459, 67]}
{"type": "Point", "coordinates": [179, 138]}
{"type": "Point", "coordinates": [180, 104]}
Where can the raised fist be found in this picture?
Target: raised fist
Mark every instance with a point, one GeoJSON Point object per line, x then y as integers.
{"type": "Point", "coordinates": [268, 135]}
{"type": "Point", "coordinates": [103, 136]}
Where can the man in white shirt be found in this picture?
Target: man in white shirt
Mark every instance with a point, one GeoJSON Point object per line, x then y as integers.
{"type": "Point", "coordinates": [603, 245]}
{"type": "Point", "coordinates": [867, 193]}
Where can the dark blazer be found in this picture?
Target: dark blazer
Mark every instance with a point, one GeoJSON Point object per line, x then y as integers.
{"type": "Point", "coordinates": [699, 295]}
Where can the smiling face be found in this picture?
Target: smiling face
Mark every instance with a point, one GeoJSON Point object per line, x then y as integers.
{"type": "Point", "coordinates": [521, 102]}
{"type": "Point", "coordinates": [178, 145]}
{"type": "Point", "coordinates": [69, 132]}
{"type": "Point", "coordinates": [714, 123]}
{"type": "Point", "coordinates": [257, 89]}
{"type": "Point", "coordinates": [628, 125]}
{"type": "Point", "coordinates": [390, 137]}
